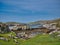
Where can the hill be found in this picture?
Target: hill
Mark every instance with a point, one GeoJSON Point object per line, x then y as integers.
{"type": "Point", "coordinates": [47, 22]}
{"type": "Point", "coordinates": [38, 40]}
{"type": "Point", "coordinates": [13, 23]}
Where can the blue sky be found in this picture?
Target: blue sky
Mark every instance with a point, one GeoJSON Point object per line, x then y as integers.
{"type": "Point", "coordinates": [29, 10]}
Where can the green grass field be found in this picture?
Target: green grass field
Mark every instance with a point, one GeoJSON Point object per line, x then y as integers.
{"type": "Point", "coordinates": [38, 40]}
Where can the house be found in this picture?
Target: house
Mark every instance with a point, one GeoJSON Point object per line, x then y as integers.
{"type": "Point", "coordinates": [18, 27]}
{"type": "Point", "coordinates": [50, 26]}
{"type": "Point", "coordinates": [53, 26]}
{"type": "Point", "coordinates": [46, 25]}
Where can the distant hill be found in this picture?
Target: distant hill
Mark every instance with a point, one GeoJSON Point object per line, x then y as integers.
{"type": "Point", "coordinates": [13, 23]}
{"type": "Point", "coordinates": [37, 22]}
{"type": "Point", "coordinates": [0, 22]}
{"type": "Point", "coordinates": [57, 21]}
{"type": "Point", "coordinates": [47, 22]}
{"type": "Point", "coordinates": [41, 22]}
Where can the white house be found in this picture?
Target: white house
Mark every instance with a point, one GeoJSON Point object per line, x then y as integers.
{"type": "Point", "coordinates": [50, 26]}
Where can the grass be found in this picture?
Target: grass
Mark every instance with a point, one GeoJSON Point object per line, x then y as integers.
{"type": "Point", "coordinates": [38, 40]}
{"type": "Point", "coordinates": [42, 40]}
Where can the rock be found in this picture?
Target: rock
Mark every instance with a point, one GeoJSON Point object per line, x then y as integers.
{"type": "Point", "coordinates": [58, 35]}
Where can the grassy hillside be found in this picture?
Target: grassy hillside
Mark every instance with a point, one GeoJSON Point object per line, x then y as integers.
{"type": "Point", "coordinates": [58, 22]}
{"type": "Point", "coordinates": [38, 40]}
{"type": "Point", "coordinates": [42, 40]}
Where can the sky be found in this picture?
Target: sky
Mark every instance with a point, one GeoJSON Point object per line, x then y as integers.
{"type": "Point", "coordinates": [29, 10]}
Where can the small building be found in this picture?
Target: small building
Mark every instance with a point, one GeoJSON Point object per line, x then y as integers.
{"type": "Point", "coordinates": [53, 26]}
{"type": "Point", "coordinates": [50, 26]}
{"type": "Point", "coordinates": [18, 27]}
{"type": "Point", "coordinates": [46, 25]}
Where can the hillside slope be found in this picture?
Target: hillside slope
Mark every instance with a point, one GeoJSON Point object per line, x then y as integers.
{"type": "Point", "coordinates": [47, 22]}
